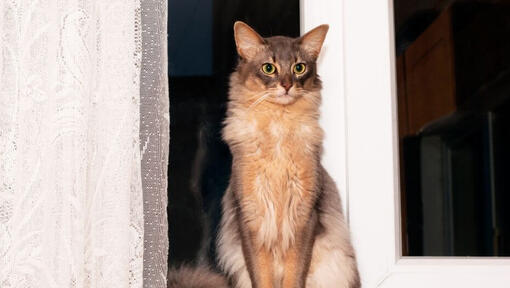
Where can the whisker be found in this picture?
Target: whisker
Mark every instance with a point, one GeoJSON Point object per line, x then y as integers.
{"type": "Point", "coordinates": [260, 99]}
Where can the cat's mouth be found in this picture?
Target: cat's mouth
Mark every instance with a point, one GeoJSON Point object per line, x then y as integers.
{"type": "Point", "coordinates": [284, 97]}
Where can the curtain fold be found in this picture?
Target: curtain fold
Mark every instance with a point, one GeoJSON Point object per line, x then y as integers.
{"type": "Point", "coordinates": [154, 136]}
{"type": "Point", "coordinates": [71, 188]}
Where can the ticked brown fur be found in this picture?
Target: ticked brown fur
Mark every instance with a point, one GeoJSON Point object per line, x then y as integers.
{"type": "Point", "coordinates": [276, 227]}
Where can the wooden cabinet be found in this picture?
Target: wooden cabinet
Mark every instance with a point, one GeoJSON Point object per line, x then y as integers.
{"type": "Point", "coordinates": [453, 85]}
{"type": "Point", "coordinates": [447, 67]}
{"type": "Point", "coordinates": [430, 76]}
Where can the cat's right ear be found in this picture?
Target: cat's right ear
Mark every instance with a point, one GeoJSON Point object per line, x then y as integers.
{"type": "Point", "coordinates": [312, 41]}
{"type": "Point", "coordinates": [248, 42]}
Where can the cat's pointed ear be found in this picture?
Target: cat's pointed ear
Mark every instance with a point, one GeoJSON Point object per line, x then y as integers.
{"type": "Point", "coordinates": [248, 42]}
{"type": "Point", "coordinates": [312, 41]}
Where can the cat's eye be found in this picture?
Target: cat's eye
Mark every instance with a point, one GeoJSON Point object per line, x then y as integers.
{"type": "Point", "coordinates": [268, 68]}
{"type": "Point", "coordinates": [299, 68]}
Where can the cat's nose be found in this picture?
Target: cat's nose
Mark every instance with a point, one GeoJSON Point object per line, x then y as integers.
{"type": "Point", "coordinates": [286, 85]}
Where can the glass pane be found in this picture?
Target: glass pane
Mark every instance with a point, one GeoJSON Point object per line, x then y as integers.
{"type": "Point", "coordinates": [201, 57]}
{"type": "Point", "coordinates": [453, 75]}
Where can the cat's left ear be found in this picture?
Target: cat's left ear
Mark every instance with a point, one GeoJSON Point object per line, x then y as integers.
{"type": "Point", "coordinates": [248, 42]}
{"type": "Point", "coordinates": [312, 41]}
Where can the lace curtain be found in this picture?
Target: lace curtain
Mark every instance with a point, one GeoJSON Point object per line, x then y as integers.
{"type": "Point", "coordinates": [73, 185]}
{"type": "Point", "coordinates": [154, 135]}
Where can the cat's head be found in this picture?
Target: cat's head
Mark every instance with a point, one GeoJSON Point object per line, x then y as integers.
{"type": "Point", "coordinates": [277, 69]}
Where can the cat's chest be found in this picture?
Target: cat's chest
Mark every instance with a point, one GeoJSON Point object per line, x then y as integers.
{"type": "Point", "coordinates": [279, 154]}
{"type": "Point", "coordinates": [279, 141]}
{"type": "Point", "coordinates": [278, 166]}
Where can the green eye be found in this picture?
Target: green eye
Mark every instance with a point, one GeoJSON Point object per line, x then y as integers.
{"type": "Point", "coordinates": [299, 68]}
{"type": "Point", "coordinates": [268, 68]}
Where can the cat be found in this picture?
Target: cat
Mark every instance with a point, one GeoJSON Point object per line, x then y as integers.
{"type": "Point", "coordinates": [195, 277]}
{"type": "Point", "coordinates": [282, 223]}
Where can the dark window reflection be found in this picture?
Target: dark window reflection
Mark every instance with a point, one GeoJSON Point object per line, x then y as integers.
{"type": "Point", "coordinates": [201, 57]}
{"type": "Point", "coordinates": [453, 75]}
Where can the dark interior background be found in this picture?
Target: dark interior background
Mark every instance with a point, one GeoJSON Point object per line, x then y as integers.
{"type": "Point", "coordinates": [453, 72]}
{"type": "Point", "coordinates": [453, 76]}
{"type": "Point", "coordinates": [201, 57]}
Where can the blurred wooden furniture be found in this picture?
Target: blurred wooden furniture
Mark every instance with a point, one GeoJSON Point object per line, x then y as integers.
{"type": "Point", "coordinates": [453, 80]}
{"type": "Point", "coordinates": [462, 51]}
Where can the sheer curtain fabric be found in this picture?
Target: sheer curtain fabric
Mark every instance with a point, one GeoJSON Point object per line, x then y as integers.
{"type": "Point", "coordinates": [71, 193]}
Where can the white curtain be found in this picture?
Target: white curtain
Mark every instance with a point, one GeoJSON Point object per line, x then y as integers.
{"type": "Point", "coordinates": [154, 138]}
{"type": "Point", "coordinates": [71, 193]}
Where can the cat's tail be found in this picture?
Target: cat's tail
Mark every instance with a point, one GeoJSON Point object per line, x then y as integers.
{"type": "Point", "coordinates": [195, 277]}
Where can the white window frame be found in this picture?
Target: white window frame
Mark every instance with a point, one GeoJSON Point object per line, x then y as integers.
{"type": "Point", "coordinates": [359, 117]}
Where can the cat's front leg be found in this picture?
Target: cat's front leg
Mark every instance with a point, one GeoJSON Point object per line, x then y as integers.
{"type": "Point", "coordinates": [264, 277]}
{"type": "Point", "coordinates": [291, 277]}
{"type": "Point", "coordinates": [258, 259]}
{"type": "Point", "coordinates": [298, 256]}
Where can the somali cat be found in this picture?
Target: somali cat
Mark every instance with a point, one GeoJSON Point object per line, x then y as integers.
{"type": "Point", "coordinates": [282, 223]}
